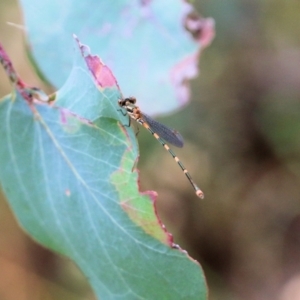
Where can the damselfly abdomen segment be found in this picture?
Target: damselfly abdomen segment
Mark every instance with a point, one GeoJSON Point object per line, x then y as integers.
{"type": "Point", "coordinates": [161, 132]}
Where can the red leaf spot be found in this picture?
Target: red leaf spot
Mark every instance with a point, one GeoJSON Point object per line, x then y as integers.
{"type": "Point", "coordinates": [101, 72]}
{"type": "Point", "coordinates": [203, 29]}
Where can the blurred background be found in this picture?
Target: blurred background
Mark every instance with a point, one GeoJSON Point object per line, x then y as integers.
{"type": "Point", "coordinates": [242, 146]}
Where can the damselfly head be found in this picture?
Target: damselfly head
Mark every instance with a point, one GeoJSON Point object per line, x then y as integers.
{"type": "Point", "coordinates": [127, 101]}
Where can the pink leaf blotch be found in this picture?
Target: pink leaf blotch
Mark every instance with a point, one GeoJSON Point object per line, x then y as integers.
{"type": "Point", "coordinates": [203, 31]}
{"type": "Point", "coordinates": [102, 74]}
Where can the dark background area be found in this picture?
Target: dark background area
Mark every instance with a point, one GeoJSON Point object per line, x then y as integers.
{"type": "Point", "coordinates": [242, 146]}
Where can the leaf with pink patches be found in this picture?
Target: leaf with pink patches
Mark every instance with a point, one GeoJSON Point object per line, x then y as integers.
{"type": "Point", "coordinates": [67, 169]}
{"type": "Point", "coordinates": [152, 46]}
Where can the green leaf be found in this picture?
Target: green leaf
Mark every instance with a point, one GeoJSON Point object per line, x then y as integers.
{"type": "Point", "coordinates": [66, 168]}
{"type": "Point", "coordinates": [144, 43]}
